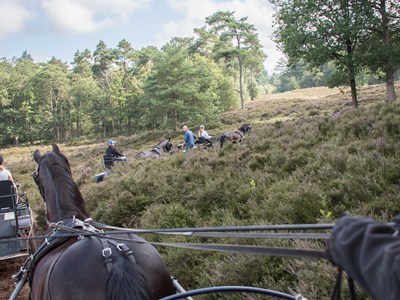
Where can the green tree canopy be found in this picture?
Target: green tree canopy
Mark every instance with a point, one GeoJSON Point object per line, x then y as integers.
{"type": "Point", "coordinates": [320, 31]}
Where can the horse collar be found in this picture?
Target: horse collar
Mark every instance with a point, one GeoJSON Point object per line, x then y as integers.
{"type": "Point", "coordinates": [240, 133]}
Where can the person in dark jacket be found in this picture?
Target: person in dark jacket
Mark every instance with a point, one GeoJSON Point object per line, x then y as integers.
{"type": "Point", "coordinates": [112, 151]}
{"type": "Point", "coordinates": [369, 251]}
{"type": "Point", "coordinates": [112, 155]}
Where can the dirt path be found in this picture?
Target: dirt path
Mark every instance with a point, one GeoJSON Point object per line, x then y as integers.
{"type": "Point", "coordinates": [7, 269]}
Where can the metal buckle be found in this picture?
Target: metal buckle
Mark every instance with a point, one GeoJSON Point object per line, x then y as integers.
{"type": "Point", "coordinates": [106, 252]}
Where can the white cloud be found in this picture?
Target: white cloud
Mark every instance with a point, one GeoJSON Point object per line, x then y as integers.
{"type": "Point", "coordinates": [90, 15]}
{"type": "Point", "coordinates": [13, 17]}
{"type": "Point", "coordinates": [194, 12]}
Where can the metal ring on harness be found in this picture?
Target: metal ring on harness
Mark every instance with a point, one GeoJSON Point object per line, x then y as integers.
{"type": "Point", "coordinates": [106, 252]}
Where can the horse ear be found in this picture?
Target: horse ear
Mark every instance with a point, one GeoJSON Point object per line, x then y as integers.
{"type": "Point", "coordinates": [37, 155]}
{"type": "Point", "coordinates": [55, 148]}
{"type": "Point", "coordinates": [169, 139]}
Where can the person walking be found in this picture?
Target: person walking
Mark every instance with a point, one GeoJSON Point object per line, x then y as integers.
{"type": "Point", "coordinates": [188, 138]}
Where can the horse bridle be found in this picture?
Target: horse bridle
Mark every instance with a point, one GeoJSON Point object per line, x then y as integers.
{"type": "Point", "coordinates": [36, 178]}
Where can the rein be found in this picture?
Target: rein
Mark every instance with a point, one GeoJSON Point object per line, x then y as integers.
{"type": "Point", "coordinates": [62, 231]}
{"type": "Point", "coordinates": [218, 232]}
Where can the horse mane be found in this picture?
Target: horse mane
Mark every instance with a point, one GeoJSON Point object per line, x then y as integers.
{"type": "Point", "coordinates": [70, 198]}
{"type": "Point", "coordinates": [161, 143]}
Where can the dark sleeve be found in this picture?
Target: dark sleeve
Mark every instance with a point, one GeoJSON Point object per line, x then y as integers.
{"type": "Point", "coordinates": [117, 153]}
{"type": "Point", "coordinates": [369, 252]}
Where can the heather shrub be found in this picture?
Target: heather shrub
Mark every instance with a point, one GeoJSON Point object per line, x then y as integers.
{"type": "Point", "coordinates": [308, 159]}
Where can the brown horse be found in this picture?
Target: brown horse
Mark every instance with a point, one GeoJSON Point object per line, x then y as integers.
{"type": "Point", "coordinates": [236, 136]}
{"type": "Point", "coordinates": [159, 150]}
{"type": "Point", "coordinates": [99, 266]}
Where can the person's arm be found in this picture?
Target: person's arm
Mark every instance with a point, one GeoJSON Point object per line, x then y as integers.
{"type": "Point", "coordinates": [117, 153]}
{"type": "Point", "coordinates": [369, 252]}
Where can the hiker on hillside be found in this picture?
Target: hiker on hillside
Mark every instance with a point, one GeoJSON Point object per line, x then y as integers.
{"type": "Point", "coordinates": [369, 251]}
{"type": "Point", "coordinates": [188, 138]}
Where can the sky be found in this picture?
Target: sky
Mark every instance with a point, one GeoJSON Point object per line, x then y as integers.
{"type": "Point", "coordinates": [59, 28]}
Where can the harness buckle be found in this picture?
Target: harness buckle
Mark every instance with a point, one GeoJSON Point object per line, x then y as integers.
{"type": "Point", "coordinates": [106, 252]}
{"type": "Point", "coordinates": [396, 221]}
{"type": "Point", "coordinates": [121, 247]}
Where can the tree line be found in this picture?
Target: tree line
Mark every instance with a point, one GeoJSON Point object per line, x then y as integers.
{"type": "Point", "coordinates": [193, 80]}
{"type": "Point", "coordinates": [125, 90]}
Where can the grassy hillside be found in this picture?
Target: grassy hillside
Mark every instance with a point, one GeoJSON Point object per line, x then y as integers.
{"type": "Point", "coordinates": [310, 157]}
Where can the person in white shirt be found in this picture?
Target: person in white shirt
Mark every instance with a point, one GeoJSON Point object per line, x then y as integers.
{"type": "Point", "coordinates": [203, 133]}
{"type": "Point", "coordinates": [203, 137]}
{"type": "Point", "coordinates": [4, 173]}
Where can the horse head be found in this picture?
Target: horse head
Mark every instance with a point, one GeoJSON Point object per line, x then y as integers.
{"type": "Point", "coordinates": [166, 145]}
{"type": "Point", "coordinates": [246, 128]}
{"type": "Point", "coordinates": [59, 192]}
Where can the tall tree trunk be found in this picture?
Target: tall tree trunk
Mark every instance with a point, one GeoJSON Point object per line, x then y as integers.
{"type": "Point", "coordinates": [53, 113]}
{"type": "Point", "coordinates": [389, 70]}
{"type": "Point", "coordinates": [111, 112]}
{"type": "Point", "coordinates": [351, 73]}
{"type": "Point", "coordinates": [176, 119]}
{"type": "Point", "coordinates": [353, 92]}
{"type": "Point", "coordinates": [241, 84]}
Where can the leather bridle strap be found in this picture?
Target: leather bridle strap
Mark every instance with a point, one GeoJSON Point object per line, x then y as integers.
{"type": "Point", "coordinates": [107, 252]}
{"type": "Point", "coordinates": [49, 271]}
